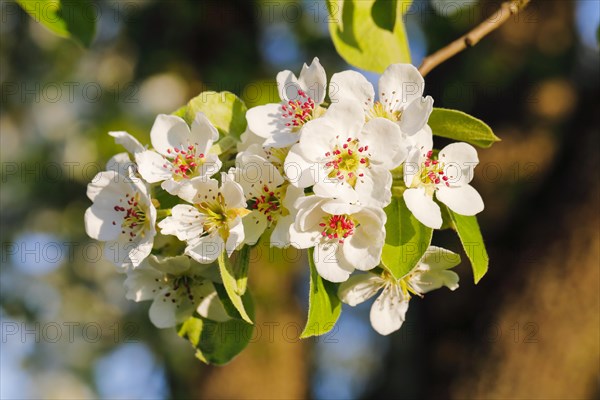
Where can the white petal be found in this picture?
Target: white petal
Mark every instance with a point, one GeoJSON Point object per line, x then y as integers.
{"type": "Point", "coordinates": [422, 140]}
{"type": "Point", "coordinates": [288, 85]}
{"type": "Point", "coordinates": [169, 132]}
{"type": "Point", "coordinates": [162, 311]}
{"type": "Point", "coordinates": [236, 236]}
{"type": "Point", "coordinates": [352, 86]}
{"type": "Point", "coordinates": [299, 171]}
{"type": "Point", "coordinates": [248, 139]}
{"type": "Point", "coordinates": [313, 80]}
{"type": "Point", "coordinates": [347, 118]}
{"type": "Point", "coordinates": [185, 222]}
{"type": "Point", "coordinates": [339, 207]}
{"type": "Point", "coordinates": [318, 138]}
{"type": "Point", "coordinates": [283, 139]}
{"type": "Point", "coordinates": [233, 193]}
{"type": "Point", "coordinates": [153, 167]}
{"type": "Point", "coordinates": [334, 189]}
{"type": "Point", "coordinates": [199, 190]}
{"type": "Point", "coordinates": [438, 258]}
{"type": "Point", "coordinates": [415, 115]}
{"type": "Point", "coordinates": [330, 263]}
{"type": "Point", "coordinates": [210, 306]}
{"type": "Point", "coordinates": [280, 237]}
{"type": "Point", "coordinates": [309, 213]}
{"type": "Point", "coordinates": [463, 200]}
{"type": "Point", "coordinates": [363, 249]}
{"type": "Point", "coordinates": [292, 194]}
{"type": "Point", "coordinates": [423, 207]}
{"type": "Point", "coordinates": [203, 132]}
{"type": "Point", "coordinates": [303, 239]}
{"type": "Point", "coordinates": [388, 312]}
{"type": "Point", "coordinates": [120, 163]}
{"type": "Point", "coordinates": [374, 188]}
{"type": "Point", "coordinates": [266, 120]}
{"type": "Point", "coordinates": [141, 283]}
{"type": "Point", "coordinates": [176, 265]}
{"type": "Point", "coordinates": [385, 141]}
{"type": "Point", "coordinates": [359, 288]}
{"type": "Point", "coordinates": [99, 222]}
{"type": "Point", "coordinates": [108, 184]}
{"type": "Point", "coordinates": [459, 161]}
{"type": "Point", "coordinates": [253, 173]}
{"type": "Point", "coordinates": [255, 224]}
{"type": "Point", "coordinates": [432, 271]}
{"type": "Point", "coordinates": [205, 249]}
{"type": "Point", "coordinates": [130, 143]}
{"type": "Point", "coordinates": [401, 82]}
{"type": "Point", "coordinates": [126, 254]}
{"type": "Point", "coordinates": [412, 166]}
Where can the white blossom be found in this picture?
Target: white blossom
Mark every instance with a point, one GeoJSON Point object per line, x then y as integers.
{"type": "Point", "coordinates": [345, 236]}
{"type": "Point", "coordinates": [446, 177]}
{"type": "Point", "coordinates": [389, 309]}
{"type": "Point", "coordinates": [178, 287]}
{"type": "Point", "coordinates": [212, 223]}
{"type": "Point", "coordinates": [269, 197]}
{"type": "Point", "coordinates": [181, 154]}
{"type": "Point", "coordinates": [340, 153]}
{"type": "Point", "coordinates": [122, 215]}
{"type": "Point", "coordinates": [401, 88]}
{"type": "Point", "coordinates": [281, 123]}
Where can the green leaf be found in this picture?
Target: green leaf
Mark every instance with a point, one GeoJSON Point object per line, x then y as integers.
{"type": "Point", "coordinates": [369, 34]}
{"type": "Point", "coordinates": [406, 239]}
{"type": "Point", "coordinates": [218, 342]}
{"type": "Point", "coordinates": [225, 110]}
{"type": "Point", "coordinates": [231, 285]}
{"type": "Point", "coordinates": [324, 306]}
{"type": "Point", "coordinates": [457, 125]}
{"type": "Point", "coordinates": [75, 19]}
{"type": "Point", "coordinates": [472, 241]}
{"type": "Point", "coordinates": [240, 268]}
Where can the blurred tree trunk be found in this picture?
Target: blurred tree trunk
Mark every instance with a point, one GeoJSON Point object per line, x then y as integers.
{"type": "Point", "coordinates": [274, 365]}
{"type": "Point", "coordinates": [551, 324]}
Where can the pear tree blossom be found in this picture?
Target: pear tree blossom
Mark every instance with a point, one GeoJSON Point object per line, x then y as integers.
{"type": "Point", "coordinates": [181, 153]}
{"type": "Point", "coordinates": [345, 236]}
{"type": "Point", "coordinates": [181, 218]}
{"type": "Point", "coordinates": [388, 312]}
{"type": "Point", "coordinates": [269, 196]}
{"type": "Point", "coordinates": [446, 177]}
{"type": "Point", "coordinates": [401, 100]}
{"type": "Point", "coordinates": [178, 287]}
{"type": "Point", "coordinates": [341, 152]}
{"type": "Point", "coordinates": [280, 124]}
{"type": "Point", "coordinates": [212, 223]}
{"type": "Point", "coordinates": [122, 215]}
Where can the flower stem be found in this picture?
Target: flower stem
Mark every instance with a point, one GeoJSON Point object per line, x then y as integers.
{"type": "Point", "coordinates": [506, 10]}
{"type": "Point", "coordinates": [160, 214]}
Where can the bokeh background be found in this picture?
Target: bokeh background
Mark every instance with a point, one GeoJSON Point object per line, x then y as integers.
{"type": "Point", "coordinates": [530, 329]}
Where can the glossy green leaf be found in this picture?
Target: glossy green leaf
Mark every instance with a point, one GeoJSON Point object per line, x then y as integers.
{"type": "Point", "coordinates": [230, 282]}
{"type": "Point", "coordinates": [457, 125]}
{"type": "Point", "coordinates": [218, 342]}
{"type": "Point", "coordinates": [324, 307]}
{"type": "Point", "coordinates": [369, 34]}
{"type": "Point", "coordinates": [75, 19]}
{"type": "Point", "coordinates": [406, 239]}
{"type": "Point", "coordinates": [472, 241]}
{"type": "Point", "coordinates": [225, 110]}
{"type": "Point", "coordinates": [240, 268]}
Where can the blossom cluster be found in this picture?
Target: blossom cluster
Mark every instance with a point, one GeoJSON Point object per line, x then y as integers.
{"type": "Point", "coordinates": [307, 173]}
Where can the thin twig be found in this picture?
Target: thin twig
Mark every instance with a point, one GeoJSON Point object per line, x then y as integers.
{"type": "Point", "coordinates": [506, 10]}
